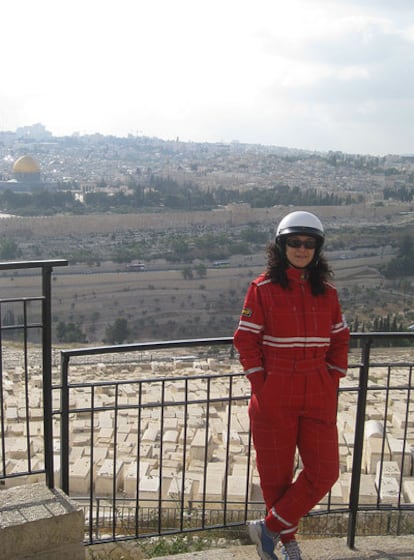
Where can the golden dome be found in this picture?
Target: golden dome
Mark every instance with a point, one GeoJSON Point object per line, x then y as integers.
{"type": "Point", "coordinates": [26, 164]}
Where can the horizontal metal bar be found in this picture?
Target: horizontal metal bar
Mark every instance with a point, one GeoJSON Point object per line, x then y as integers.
{"type": "Point", "coordinates": [380, 335]}
{"type": "Point", "coordinates": [32, 264]}
{"type": "Point", "coordinates": [144, 346]}
{"type": "Point", "coordinates": [120, 348]}
{"type": "Point", "coordinates": [22, 299]}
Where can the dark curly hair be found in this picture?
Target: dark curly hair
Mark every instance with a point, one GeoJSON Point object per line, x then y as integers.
{"type": "Point", "coordinates": [277, 263]}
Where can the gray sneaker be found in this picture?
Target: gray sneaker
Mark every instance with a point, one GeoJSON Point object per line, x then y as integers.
{"type": "Point", "coordinates": [265, 543]}
{"type": "Point", "coordinates": [291, 550]}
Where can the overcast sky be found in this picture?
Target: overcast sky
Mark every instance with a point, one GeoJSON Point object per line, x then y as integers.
{"type": "Point", "coordinates": [313, 74]}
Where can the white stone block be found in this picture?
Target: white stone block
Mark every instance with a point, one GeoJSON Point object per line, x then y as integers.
{"type": "Point", "coordinates": [408, 490]}
{"type": "Point", "coordinates": [373, 428]}
{"type": "Point", "coordinates": [387, 481]}
{"type": "Point", "coordinates": [388, 468]}
{"type": "Point", "coordinates": [105, 476]}
{"type": "Point", "coordinates": [151, 434]}
{"type": "Point", "coordinates": [236, 490]}
{"type": "Point", "coordinates": [149, 490]}
{"type": "Point", "coordinates": [17, 448]}
{"type": "Point", "coordinates": [373, 450]}
{"type": "Point", "coordinates": [400, 421]}
{"type": "Point", "coordinates": [76, 453]}
{"type": "Point", "coordinates": [79, 477]}
{"type": "Point", "coordinates": [368, 492]}
{"type": "Point", "coordinates": [177, 492]}
{"type": "Point", "coordinates": [198, 446]}
{"type": "Point", "coordinates": [20, 466]}
{"type": "Point", "coordinates": [389, 490]}
{"type": "Point", "coordinates": [130, 480]}
{"type": "Point", "coordinates": [11, 414]}
{"type": "Point", "coordinates": [396, 447]}
{"type": "Point", "coordinates": [214, 490]}
{"type": "Point", "coordinates": [170, 436]}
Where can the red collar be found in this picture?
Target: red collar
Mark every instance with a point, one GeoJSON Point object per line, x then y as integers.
{"type": "Point", "coordinates": [297, 273]}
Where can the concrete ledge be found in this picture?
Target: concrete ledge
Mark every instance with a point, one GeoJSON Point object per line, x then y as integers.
{"type": "Point", "coordinates": [37, 523]}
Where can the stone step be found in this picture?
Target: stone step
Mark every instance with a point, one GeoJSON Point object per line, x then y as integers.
{"type": "Point", "coordinates": [37, 523]}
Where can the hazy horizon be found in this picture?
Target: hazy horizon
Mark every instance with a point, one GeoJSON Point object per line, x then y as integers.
{"type": "Point", "coordinates": [321, 75]}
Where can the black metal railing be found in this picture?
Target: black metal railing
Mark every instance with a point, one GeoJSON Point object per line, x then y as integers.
{"type": "Point", "coordinates": [25, 326]}
{"type": "Point", "coordinates": [153, 438]}
{"type": "Point", "coordinates": [119, 511]}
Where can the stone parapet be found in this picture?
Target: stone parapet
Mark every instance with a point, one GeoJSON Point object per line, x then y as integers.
{"type": "Point", "coordinates": [39, 523]}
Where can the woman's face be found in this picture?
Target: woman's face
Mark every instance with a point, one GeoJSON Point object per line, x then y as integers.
{"type": "Point", "coordinates": [300, 250]}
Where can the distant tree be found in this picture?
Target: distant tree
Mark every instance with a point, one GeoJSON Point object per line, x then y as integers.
{"type": "Point", "coordinates": [201, 270]}
{"type": "Point", "coordinates": [9, 249]}
{"type": "Point", "coordinates": [8, 318]}
{"type": "Point", "coordinates": [187, 273]}
{"type": "Point", "coordinates": [69, 332]}
{"type": "Point", "coordinates": [118, 332]}
{"type": "Point", "coordinates": [406, 246]}
{"type": "Point", "coordinates": [403, 263]}
{"type": "Point", "coordinates": [254, 235]}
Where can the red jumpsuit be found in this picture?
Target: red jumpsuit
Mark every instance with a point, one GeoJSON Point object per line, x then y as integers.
{"type": "Point", "coordinates": [293, 347]}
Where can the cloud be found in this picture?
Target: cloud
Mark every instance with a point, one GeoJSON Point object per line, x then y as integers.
{"type": "Point", "coordinates": [333, 74]}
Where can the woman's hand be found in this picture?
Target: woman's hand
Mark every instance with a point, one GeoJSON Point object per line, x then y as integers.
{"type": "Point", "coordinates": [257, 380]}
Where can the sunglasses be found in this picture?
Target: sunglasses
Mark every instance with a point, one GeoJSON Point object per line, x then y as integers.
{"type": "Point", "coordinates": [297, 243]}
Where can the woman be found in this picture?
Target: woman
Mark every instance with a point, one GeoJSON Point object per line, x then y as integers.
{"type": "Point", "coordinates": [293, 345]}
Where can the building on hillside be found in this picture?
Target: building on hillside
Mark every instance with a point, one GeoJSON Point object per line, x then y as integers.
{"type": "Point", "coordinates": [26, 174]}
{"type": "Point", "coordinates": [26, 170]}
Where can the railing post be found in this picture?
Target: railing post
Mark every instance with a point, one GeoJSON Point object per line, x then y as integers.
{"type": "Point", "coordinates": [47, 374]}
{"type": "Point", "coordinates": [358, 443]}
{"type": "Point", "coordinates": [64, 424]}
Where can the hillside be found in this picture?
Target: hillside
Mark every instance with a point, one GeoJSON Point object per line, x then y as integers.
{"type": "Point", "coordinates": [159, 303]}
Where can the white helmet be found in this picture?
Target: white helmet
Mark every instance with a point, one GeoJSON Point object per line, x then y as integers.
{"type": "Point", "coordinates": [301, 223]}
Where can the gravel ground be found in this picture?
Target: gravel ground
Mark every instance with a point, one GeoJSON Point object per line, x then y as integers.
{"type": "Point", "coordinates": [374, 548]}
